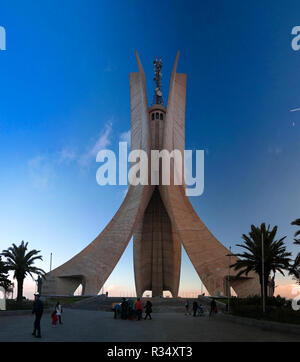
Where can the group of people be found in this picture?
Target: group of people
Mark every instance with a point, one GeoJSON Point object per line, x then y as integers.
{"type": "Point", "coordinates": [198, 308]}
{"type": "Point", "coordinates": [132, 310]}
{"type": "Point", "coordinates": [127, 310]}
{"type": "Point", "coordinates": [38, 309]}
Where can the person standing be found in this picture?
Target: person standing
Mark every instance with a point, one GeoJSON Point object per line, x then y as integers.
{"type": "Point", "coordinates": [148, 310]}
{"type": "Point", "coordinates": [213, 307]}
{"type": "Point", "coordinates": [187, 307]}
{"type": "Point", "coordinates": [58, 309]}
{"type": "Point", "coordinates": [130, 310]}
{"type": "Point", "coordinates": [115, 309]}
{"type": "Point", "coordinates": [38, 308]}
{"type": "Point", "coordinates": [134, 309]}
{"type": "Point", "coordinates": [124, 309]}
{"type": "Point", "coordinates": [139, 309]}
{"type": "Point", "coordinates": [195, 308]}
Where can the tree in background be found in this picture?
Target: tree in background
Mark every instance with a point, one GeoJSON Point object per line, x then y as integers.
{"type": "Point", "coordinates": [4, 281]}
{"type": "Point", "coordinates": [295, 268]}
{"type": "Point", "coordinates": [21, 262]}
{"type": "Point", "coordinates": [276, 258]}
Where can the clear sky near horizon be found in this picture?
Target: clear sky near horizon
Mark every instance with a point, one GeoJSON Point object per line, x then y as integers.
{"type": "Point", "coordinates": [65, 94]}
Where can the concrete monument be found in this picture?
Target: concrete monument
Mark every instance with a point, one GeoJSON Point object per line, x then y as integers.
{"type": "Point", "coordinates": [160, 218]}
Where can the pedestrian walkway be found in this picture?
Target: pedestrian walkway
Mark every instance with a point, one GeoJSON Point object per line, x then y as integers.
{"type": "Point", "coordinates": [85, 325]}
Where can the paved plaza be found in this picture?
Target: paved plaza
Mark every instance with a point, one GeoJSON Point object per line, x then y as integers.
{"type": "Point", "coordinates": [99, 326]}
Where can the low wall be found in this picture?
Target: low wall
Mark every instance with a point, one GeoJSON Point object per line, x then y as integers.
{"type": "Point", "coordinates": [9, 313]}
{"type": "Point", "coordinates": [263, 324]}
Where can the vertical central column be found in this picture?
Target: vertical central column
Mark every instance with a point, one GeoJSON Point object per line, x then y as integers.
{"type": "Point", "coordinates": [157, 115]}
{"type": "Point", "coordinates": [157, 249]}
{"type": "Point", "coordinates": [157, 252]}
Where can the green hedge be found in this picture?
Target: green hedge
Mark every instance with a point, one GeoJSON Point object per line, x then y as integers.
{"type": "Point", "coordinates": [257, 300]}
{"type": "Point", "coordinates": [14, 305]}
{"type": "Point", "coordinates": [277, 309]}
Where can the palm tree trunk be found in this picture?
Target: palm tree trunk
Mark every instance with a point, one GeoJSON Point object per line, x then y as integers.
{"type": "Point", "coordinates": [261, 286]}
{"type": "Point", "coordinates": [265, 290]}
{"type": "Point", "coordinates": [20, 290]}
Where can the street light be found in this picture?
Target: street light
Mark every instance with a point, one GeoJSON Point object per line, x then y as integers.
{"type": "Point", "coordinates": [50, 261]}
{"type": "Point", "coordinates": [228, 278]}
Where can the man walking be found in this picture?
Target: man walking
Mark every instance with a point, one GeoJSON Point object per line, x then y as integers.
{"type": "Point", "coordinates": [38, 309]}
{"type": "Point", "coordinates": [148, 310]}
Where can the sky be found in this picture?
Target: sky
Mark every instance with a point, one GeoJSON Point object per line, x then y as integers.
{"type": "Point", "coordinates": [64, 95]}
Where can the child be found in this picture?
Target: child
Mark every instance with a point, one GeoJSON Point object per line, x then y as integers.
{"type": "Point", "coordinates": [200, 310]}
{"type": "Point", "coordinates": [54, 318]}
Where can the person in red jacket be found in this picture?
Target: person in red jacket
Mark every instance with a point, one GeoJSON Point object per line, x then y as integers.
{"type": "Point", "coordinates": [139, 309]}
{"type": "Point", "coordinates": [54, 318]}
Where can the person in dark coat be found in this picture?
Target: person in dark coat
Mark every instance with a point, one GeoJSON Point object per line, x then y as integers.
{"type": "Point", "coordinates": [116, 309]}
{"type": "Point", "coordinates": [148, 310]}
{"type": "Point", "coordinates": [195, 308]}
{"type": "Point", "coordinates": [213, 307]}
{"type": "Point", "coordinates": [139, 309]}
{"type": "Point", "coordinates": [124, 309]}
{"type": "Point", "coordinates": [38, 308]}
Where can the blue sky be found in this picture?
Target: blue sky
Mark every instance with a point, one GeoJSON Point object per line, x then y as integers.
{"type": "Point", "coordinates": [65, 93]}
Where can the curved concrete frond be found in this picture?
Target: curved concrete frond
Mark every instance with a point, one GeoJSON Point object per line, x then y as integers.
{"type": "Point", "coordinates": [93, 265]}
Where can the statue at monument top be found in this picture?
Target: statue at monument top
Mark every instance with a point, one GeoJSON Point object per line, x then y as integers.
{"type": "Point", "coordinates": [157, 98]}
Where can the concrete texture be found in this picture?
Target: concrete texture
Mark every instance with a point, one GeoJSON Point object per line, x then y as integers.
{"type": "Point", "coordinates": [91, 326]}
{"type": "Point", "coordinates": [157, 251]}
{"type": "Point", "coordinates": [160, 217]}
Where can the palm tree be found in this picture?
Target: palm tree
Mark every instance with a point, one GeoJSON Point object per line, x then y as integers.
{"type": "Point", "coordinates": [276, 258]}
{"type": "Point", "coordinates": [21, 262]}
{"type": "Point", "coordinates": [295, 268]}
{"type": "Point", "coordinates": [4, 281]}
{"type": "Point", "coordinates": [297, 233]}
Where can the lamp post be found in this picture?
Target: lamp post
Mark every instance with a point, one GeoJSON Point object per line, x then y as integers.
{"type": "Point", "coordinates": [50, 261]}
{"type": "Point", "coordinates": [228, 286]}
